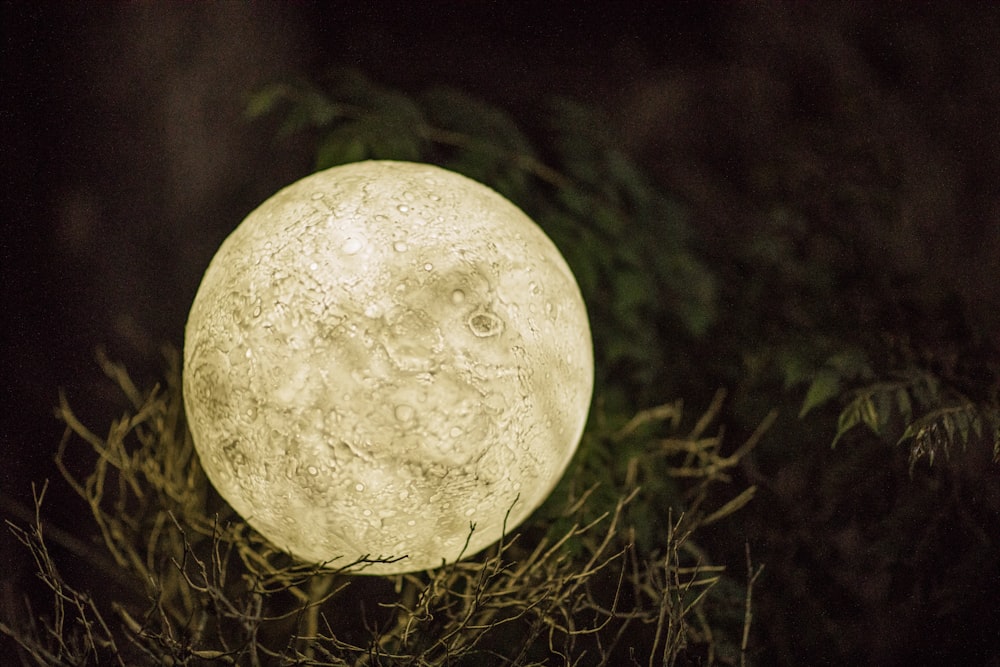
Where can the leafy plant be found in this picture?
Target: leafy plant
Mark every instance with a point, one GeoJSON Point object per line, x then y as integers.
{"type": "Point", "coordinates": [817, 308]}
{"type": "Point", "coordinates": [914, 406]}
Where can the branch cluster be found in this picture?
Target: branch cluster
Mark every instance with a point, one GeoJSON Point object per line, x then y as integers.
{"type": "Point", "coordinates": [201, 585]}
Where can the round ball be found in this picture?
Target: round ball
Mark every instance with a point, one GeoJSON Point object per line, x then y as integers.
{"type": "Point", "coordinates": [380, 356]}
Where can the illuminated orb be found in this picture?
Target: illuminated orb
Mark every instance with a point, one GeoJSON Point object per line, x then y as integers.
{"type": "Point", "coordinates": [380, 355]}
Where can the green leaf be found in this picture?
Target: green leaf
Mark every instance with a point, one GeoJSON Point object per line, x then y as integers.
{"type": "Point", "coordinates": [576, 245]}
{"type": "Point", "coordinates": [629, 179]}
{"type": "Point", "coordinates": [850, 417]}
{"type": "Point", "coordinates": [795, 367]}
{"type": "Point", "coordinates": [977, 426]}
{"type": "Point", "coordinates": [343, 145]}
{"type": "Point", "coordinates": [912, 430]}
{"type": "Point", "coordinates": [370, 137]}
{"type": "Point", "coordinates": [869, 415]}
{"type": "Point", "coordinates": [575, 200]}
{"type": "Point", "coordinates": [948, 421]}
{"type": "Point", "coordinates": [265, 100]}
{"type": "Point", "coordinates": [861, 410]}
{"type": "Point", "coordinates": [825, 385]}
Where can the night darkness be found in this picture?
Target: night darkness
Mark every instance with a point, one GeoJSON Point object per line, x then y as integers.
{"type": "Point", "coordinates": [126, 160]}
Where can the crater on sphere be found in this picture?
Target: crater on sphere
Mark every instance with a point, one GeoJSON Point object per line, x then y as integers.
{"type": "Point", "coordinates": [484, 324]}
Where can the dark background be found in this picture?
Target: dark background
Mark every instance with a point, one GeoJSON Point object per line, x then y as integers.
{"type": "Point", "coordinates": [126, 158]}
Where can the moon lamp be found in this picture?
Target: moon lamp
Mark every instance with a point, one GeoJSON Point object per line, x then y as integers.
{"type": "Point", "coordinates": [381, 356]}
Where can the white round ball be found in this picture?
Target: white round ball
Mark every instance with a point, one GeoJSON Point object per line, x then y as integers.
{"type": "Point", "coordinates": [381, 354]}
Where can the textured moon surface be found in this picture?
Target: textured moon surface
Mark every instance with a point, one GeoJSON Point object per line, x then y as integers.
{"type": "Point", "coordinates": [381, 355]}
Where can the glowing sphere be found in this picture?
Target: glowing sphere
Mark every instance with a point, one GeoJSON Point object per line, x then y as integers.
{"type": "Point", "coordinates": [381, 354]}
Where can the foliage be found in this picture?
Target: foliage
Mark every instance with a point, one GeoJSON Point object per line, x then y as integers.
{"type": "Point", "coordinates": [796, 313]}
{"type": "Point", "coordinates": [628, 244]}
{"type": "Point", "coordinates": [201, 585]}
{"type": "Point", "coordinates": [646, 278]}
{"type": "Point", "coordinates": [913, 406]}
{"type": "Point", "coordinates": [815, 311]}
{"type": "Point", "coordinates": [793, 304]}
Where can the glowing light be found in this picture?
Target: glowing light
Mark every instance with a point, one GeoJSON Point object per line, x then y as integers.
{"type": "Point", "coordinates": [380, 354]}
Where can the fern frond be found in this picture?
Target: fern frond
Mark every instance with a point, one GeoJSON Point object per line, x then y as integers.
{"type": "Point", "coordinates": [939, 430]}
